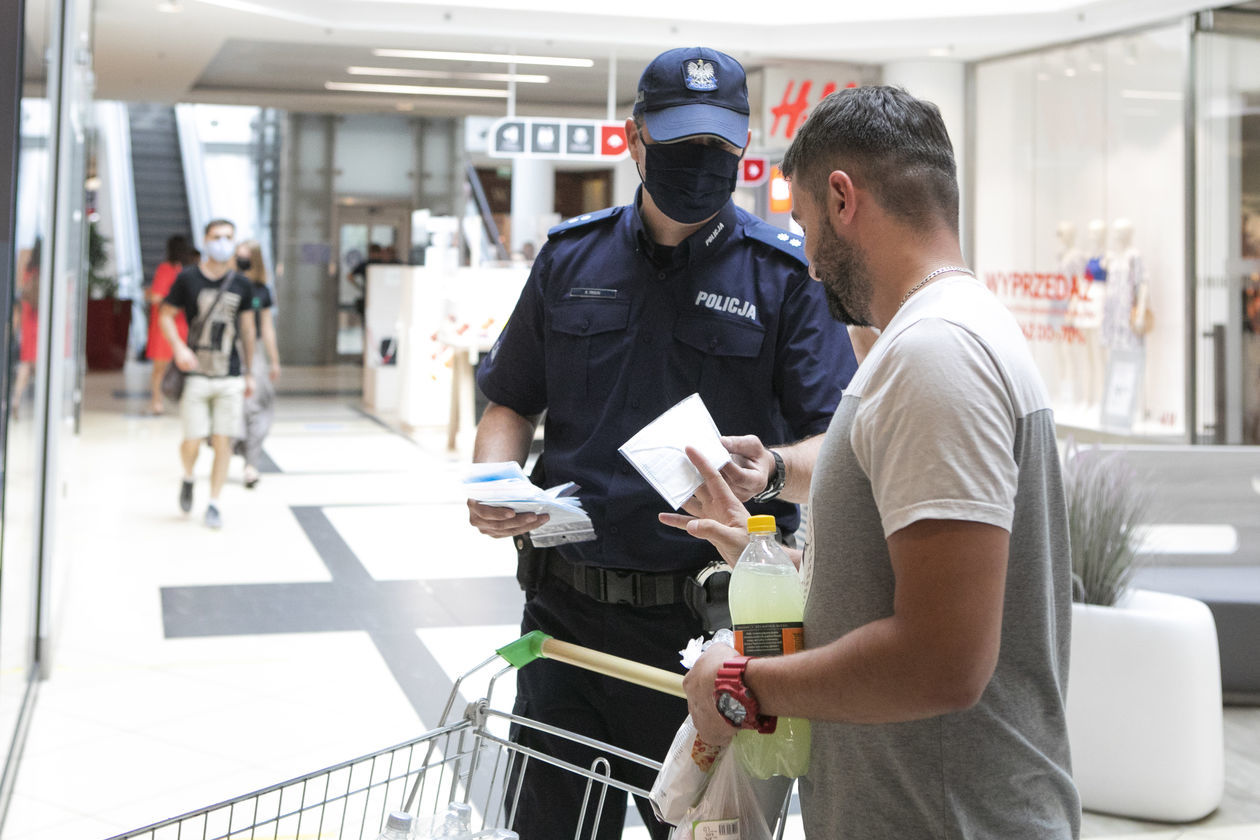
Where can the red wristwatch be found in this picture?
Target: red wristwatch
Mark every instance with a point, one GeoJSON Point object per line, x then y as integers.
{"type": "Point", "coordinates": [735, 701]}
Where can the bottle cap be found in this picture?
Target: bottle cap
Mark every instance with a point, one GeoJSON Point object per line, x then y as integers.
{"type": "Point", "coordinates": [763, 524]}
{"type": "Point", "coordinates": [400, 821]}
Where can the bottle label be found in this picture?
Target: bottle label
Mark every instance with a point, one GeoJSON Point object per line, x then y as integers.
{"type": "Point", "coordinates": [773, 638]}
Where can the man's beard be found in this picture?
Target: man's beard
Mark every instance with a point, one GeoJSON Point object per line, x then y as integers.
{"type": "Point", "coordinates": [842, 270]}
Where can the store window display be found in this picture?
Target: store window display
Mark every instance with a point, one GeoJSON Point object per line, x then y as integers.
{"type": "Point", "coordinates": [1081, 355]}
{"type": "Point", "coordinates": [1126, 318]}
{"type": "Point", "coordinates": [1063, 141]}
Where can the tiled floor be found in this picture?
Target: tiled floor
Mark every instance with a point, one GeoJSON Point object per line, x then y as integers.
{"type": "Point", "coordinates": [348, 593]}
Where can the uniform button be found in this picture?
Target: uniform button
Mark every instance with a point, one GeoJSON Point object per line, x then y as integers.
{"type": "Point", "coordinates": [713, 343]}
{"type": "Point", "coordinates": [613, 529]}
{"type": "Point", "coordinates": [586, 325]}
{"type": "Point", "coordinates": [660, 275]}
{"type": "Point", "coordinates": [647, 339]}
{"type": "Point", "coordinates": [634, 403]}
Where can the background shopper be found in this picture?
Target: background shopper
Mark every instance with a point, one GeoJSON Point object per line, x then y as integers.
{"type": "Point", "coordinates": [215, 301]}
{"type": "Point", "coordinates": [179, 255]}
{"type": "Point", "coordinates": [260, 406]}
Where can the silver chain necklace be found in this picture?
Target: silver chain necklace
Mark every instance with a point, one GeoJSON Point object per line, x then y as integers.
{"type": "Point", "coordinates": [924, 281]}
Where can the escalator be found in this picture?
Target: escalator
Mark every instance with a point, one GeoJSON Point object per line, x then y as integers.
{"type": "Point", "coordinates": [161, 194]}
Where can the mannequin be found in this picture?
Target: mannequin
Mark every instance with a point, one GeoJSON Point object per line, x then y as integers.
{"type": "Point", "coordinates": [1125, 315]}
{"type": "Point", "coordinates": [1096, 252]}
{"type": "Point", "coordinates": [1080, 350]}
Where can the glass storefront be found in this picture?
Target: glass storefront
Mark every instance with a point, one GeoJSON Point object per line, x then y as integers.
{"type": "Point", "coordinates": [1227, 294]}
{"type": "Point", "coordinates": [1117, 213]}
{"type": "Point", "coordinates": [46, 205]}
{"type": "Point", "coordinates": [1080, 219]}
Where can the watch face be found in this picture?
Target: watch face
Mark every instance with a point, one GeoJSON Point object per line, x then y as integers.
{"type": "Point", "coordinates": [731, 709]}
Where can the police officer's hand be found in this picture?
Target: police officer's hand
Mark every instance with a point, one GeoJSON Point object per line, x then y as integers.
{"type": "Point", "coordinates": [501, 521]}
{"type": "Point", "coordinates": [715, 514]}
{"type": "Point", "coordinates": [698, 683]}
{"type": "Point", "coordinates": [751, 465]}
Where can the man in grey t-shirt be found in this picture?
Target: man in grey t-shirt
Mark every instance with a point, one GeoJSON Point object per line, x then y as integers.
{"type": "Point", "coordinates": [937, 564]}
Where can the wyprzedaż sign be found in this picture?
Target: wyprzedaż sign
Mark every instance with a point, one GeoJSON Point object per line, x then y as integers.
{"type": "Point", "coordinates": [558, 139]}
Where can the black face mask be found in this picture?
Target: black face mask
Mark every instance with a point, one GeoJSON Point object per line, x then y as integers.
{"type": "Point", "coordinates": [690, 182]}
{"type": "Point", "coordinates": [243, 263]}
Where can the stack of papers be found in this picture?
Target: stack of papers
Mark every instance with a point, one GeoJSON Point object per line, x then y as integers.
{"type": "Point", "coordinates": [506, 485]}
{"type": "Point", "coordinates": [658, 450]}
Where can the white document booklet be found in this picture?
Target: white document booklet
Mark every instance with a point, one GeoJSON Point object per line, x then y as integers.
{"type": "Point", "coordinates": [658, 450]}
{"type": "Point", "coordinates": [506, 485]}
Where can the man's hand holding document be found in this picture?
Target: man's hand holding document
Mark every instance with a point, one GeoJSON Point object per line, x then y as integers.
{"type": "Point", "coordinates": [659, 450]}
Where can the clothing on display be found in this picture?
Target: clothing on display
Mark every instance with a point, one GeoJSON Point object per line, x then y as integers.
{"type": "Point", "coordinates": [1080, 350]}
{"type": "Point", "coordinates": [1126, 288]}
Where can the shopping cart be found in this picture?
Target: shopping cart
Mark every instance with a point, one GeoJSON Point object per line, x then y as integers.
{"type": "Point", "coordinates": [469, 760]}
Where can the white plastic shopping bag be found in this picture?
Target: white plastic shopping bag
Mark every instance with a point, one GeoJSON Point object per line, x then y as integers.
{"type": "Point", "coordinates": [728, 809]}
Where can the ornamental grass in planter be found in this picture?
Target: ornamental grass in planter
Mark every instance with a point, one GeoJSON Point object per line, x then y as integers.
{"type": "Point", "coordinates": [1106, 505]}
{"type": "Point", "coordinates": [1144, 687]}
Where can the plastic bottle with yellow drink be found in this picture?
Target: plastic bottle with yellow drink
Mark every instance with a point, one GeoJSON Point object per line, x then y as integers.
{"type": "Point", "coordinates": [767, 612]}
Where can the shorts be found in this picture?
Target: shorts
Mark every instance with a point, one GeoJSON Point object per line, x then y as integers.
{"type": "Point", "coordinates": [212, 405]}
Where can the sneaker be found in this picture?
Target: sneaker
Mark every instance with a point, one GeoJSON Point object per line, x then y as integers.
{"type": "Point", "coordinates": [185, 496]}
{"type": "Point", "coordinates": [251, 477]}
{"type": "Point", "coordinates": [213, 519]}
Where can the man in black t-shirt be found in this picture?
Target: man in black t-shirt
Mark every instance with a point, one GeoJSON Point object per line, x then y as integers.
{"type": "Point", "coordinates": [216, 303]}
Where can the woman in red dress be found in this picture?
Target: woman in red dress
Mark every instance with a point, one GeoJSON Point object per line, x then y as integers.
{"type": "Point", "coordinates": [178, 255]}
{"type": "Point", "coordinates": [27, 323]}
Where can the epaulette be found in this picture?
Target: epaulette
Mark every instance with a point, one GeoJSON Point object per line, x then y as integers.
{"type": "Point", "coordinates": [584, 220]}
{"type": "Point", "coordinates": [788, 243]}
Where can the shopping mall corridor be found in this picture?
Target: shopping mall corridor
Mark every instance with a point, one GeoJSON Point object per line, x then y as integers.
{"type": "Point", "coordinates": [326, 619]}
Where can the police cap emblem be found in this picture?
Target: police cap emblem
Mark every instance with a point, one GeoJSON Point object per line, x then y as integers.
{"type": "Point", "coordinates": [700, 75]}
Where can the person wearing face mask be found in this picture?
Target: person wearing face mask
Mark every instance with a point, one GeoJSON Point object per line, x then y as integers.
{"type": "Point", "coordinates": [215, 300]}
{"type": "Point", "coordinates": [260, 407]}
{"type": "Point", "coordinates": [626, 312]}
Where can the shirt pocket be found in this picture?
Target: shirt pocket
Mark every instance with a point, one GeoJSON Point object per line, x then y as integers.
{"type": "Point", "coordinates": [726, 354]}
{"type": "Point", "coordinates": [588, 350]}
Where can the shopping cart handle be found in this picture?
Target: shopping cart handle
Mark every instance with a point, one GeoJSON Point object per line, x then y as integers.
{"type": "Point", "coordinates": [538, 644]}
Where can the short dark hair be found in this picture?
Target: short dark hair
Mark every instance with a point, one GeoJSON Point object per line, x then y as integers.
{"type": "Point", "coordinates": [179, 249]}
{"type": "Point", "coordinates": [216, 222]}
{"type": "Point", "coordinates": [890, 143]}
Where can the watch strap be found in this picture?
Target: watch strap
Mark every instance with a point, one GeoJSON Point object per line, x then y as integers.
{"type": "Point", "coordinates": [730, 680]}
{"type": "Point", "coordinates": [778, 478]}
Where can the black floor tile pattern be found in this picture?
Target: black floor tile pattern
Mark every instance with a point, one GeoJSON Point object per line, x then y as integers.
{"type": "Point", "coordinates": [389, 611]}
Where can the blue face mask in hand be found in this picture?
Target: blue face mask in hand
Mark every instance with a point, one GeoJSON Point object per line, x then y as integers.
{"type": "Point", "coordinates": [690, 181]}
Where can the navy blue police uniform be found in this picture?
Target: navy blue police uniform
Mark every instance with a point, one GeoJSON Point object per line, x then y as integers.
{"type": "Point", "coordinates": [609, 332]}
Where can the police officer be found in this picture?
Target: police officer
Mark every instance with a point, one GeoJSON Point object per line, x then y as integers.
{"type": "Point", "coordinates": [627, 311]}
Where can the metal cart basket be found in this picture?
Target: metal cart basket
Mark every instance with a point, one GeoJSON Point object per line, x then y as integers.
{"type": "Point", "coordinates": [468, 760]}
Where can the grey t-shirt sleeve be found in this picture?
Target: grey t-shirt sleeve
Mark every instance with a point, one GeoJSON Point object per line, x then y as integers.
{"type": "Point", "coordinates": [944, 448]}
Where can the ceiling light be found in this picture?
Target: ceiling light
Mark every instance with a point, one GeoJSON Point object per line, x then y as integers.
{"type": "Point", "coordinates": [417, 90]}
{"type": "Point", "coordinates": [941, 52]}
{"type": "Point", "coordinates": [498, 58]}
{"type": "Point", "coordinates": [168, 5]}
{"type": "Point", "coordinates": [447, 74]}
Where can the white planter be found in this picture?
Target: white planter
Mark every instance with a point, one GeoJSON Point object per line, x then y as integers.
{"type": "Point", "coordinates": [1144, 708]}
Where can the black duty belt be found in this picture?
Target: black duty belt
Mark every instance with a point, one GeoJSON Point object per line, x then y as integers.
{"type": "Point", "coordinates": [619, 586]}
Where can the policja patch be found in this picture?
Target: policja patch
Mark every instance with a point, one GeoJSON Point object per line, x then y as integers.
{"type": "Point", "coordinates": [699, 74]}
